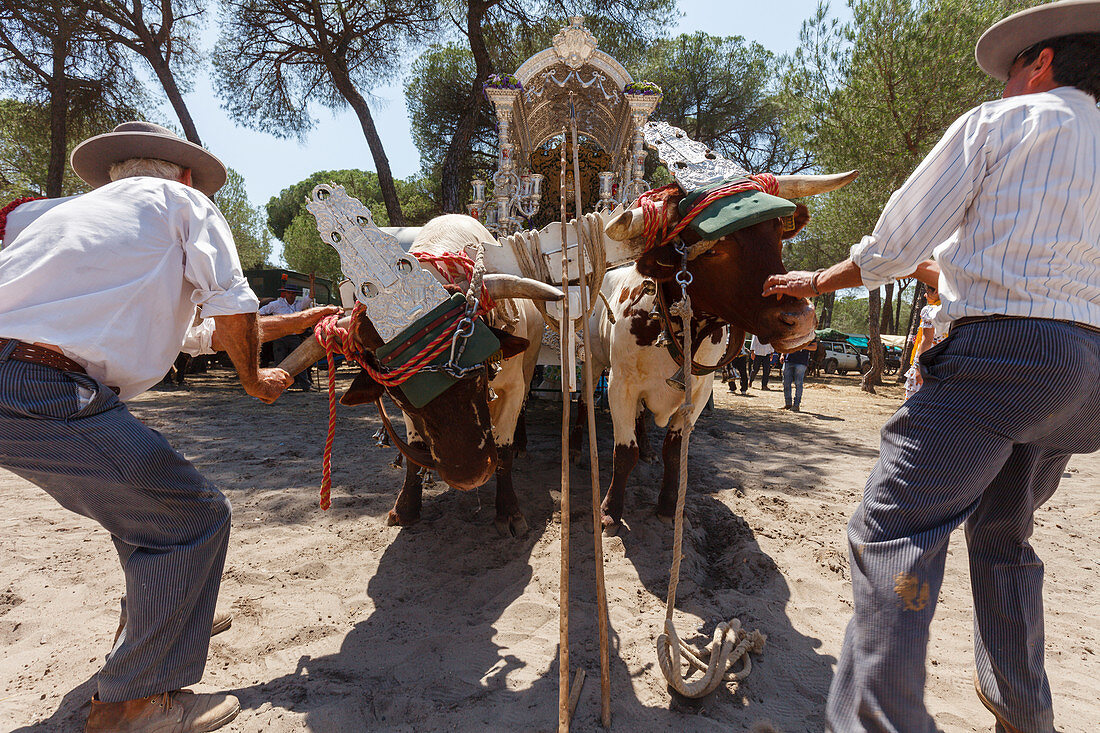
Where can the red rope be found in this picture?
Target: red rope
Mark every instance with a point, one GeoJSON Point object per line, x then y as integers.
{"type": "Point", "coordinates": [337, 340]}
{"type": "Point", "coordinates": [456, 268]}
{"type": "Point", "coordinates": [652, 211]}
{"type": "Point", "coordinates": [10, 208]}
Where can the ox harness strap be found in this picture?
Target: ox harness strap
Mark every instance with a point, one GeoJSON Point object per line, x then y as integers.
{"type": "Point", "coordinates": [675, 346]}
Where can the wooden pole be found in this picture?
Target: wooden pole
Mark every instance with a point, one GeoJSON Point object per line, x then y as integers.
{"type": "Point", "coordinates": [564, 713]}
{"type": "Point", "coordinates": [593, 453]}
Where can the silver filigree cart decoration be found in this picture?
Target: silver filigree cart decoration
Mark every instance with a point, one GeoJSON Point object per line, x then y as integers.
{"type": "Point", "coordinates": [392, 286]}
{"type": "Point", "coordinates": [531, 107]}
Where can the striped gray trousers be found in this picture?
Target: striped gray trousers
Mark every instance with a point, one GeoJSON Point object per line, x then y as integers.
{"type": "Point", "coordinates": [71, 436]}
{"type": "Point", "coordinates": [1003, 407]}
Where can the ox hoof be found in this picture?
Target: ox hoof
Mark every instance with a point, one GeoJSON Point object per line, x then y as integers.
{"type": "Point", "coordinates": [519, 453]}
{"type": "Point", "coordinates": [610, 526]}
{"type": "Point", "coordinates": [393, 519]}
{"type": "Point", "coordinates": [670, 520]}
{"type": "Point", "coordinates": [647, 457]}
{"type": "Point", "coordinates": [514, 526]}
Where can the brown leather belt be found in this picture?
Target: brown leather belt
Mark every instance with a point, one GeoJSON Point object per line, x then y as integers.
{"type": "Point", "coordinates": [43, 356]}
{"type": "Point", "coordinates": [986, 319]}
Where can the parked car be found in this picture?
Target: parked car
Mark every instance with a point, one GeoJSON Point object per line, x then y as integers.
{"type": "Point", "coordinates": [841, 357]}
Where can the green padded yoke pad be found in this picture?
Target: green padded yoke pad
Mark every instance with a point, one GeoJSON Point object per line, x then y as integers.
{"type": "Point", "coordinates": [734, 212]}
{"type": "Point", "coordinates": [423, 387]}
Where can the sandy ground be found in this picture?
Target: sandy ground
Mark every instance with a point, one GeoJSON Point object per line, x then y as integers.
{"type": "Point", "coordinates": [345, 624]}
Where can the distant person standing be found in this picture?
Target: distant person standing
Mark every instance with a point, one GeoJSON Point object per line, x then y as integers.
{"type": "Point", "coordinates": [740, 364]}
{"type": "Point", "coordinates": [761, 359]}
{"type": "Point", "coordinates": [289, 302]}
{"type": "Point", "coordinates": [931, 332]}
{"type": "Point", "coordinates": [795, 365]}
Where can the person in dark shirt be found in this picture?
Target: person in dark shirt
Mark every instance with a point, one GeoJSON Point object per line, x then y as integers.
{"type": "Point", "coordinates": [794, 373]}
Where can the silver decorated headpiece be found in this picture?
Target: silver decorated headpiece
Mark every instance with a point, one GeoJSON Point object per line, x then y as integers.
{"type": "Point", "coordinates": [691, 163]}
{"type": "Point", "coordinates": [390, 283]}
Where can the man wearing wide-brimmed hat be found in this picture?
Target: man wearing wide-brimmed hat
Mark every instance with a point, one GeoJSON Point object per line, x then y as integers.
{"type": "Point", "coordinates": [98, 292]}
{"type": "Point", "coordinates": [1008, 203]}
{"type": "Point", "coordinates": [289, 301]}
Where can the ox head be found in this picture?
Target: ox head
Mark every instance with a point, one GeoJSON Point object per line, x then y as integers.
{"type": "Point", "coordinates": [728, 273]}
{"type": "Point", "coordinates": [455, 425]}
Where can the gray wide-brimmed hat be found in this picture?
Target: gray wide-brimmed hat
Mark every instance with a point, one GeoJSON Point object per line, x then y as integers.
{"type": "Point", "coordinates": [999, 46]}
{"type": "Point", "coordinates": [93, 158]}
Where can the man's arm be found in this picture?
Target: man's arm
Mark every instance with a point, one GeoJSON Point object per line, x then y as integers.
{"type": "Point", "coordinates": [239, 335]}
{"type": "Point", "coordinates": [276, 326]}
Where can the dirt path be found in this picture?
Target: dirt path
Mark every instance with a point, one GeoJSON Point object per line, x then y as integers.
{"type": "Point", "coordinates": [345, 624]}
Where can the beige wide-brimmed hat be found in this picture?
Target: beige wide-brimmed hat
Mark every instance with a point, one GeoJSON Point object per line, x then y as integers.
{"type": "Point", "coordinates": [93, 158]}
{"type": "Point", "coordinates": [1002, 43]}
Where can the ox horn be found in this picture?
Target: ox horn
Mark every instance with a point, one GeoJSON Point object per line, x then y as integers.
{"type": "Point", "coordinates": [308, 352]}
{"type": "Point", "coordinates": [797, 186]}
{"type": "Point", "coordinates": [626, 226]}
{"type": "Point", "coordinates": [512, 286]}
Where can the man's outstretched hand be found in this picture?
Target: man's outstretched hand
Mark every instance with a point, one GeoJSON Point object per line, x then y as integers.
{"type": "Point", "coordinates": [797, 284]}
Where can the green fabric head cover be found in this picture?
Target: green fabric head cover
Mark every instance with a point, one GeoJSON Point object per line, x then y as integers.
{"type": "Point", "coordinates": [734, 212]}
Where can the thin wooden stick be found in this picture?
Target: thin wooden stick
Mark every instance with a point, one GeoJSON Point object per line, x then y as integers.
{"type": "Point", "coordinates": [575, 693]}
{"type": "Point", "coordinates": [564, 710]}
{"type": "Point", "coordinates": [593, 453]}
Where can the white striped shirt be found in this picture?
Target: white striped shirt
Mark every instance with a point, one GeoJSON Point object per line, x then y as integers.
{"type": "Point", "coordinates": [1007, 202]}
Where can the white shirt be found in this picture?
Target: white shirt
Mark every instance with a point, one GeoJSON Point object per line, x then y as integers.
{"type": "Point", "coordinates": [279, 307]}
{"type": "Point", "coordinates": [1007, 202]}
{"type": "Point", "coordinates": [759, 348]}
{"type": "Point", "coordinates": [113, 277]}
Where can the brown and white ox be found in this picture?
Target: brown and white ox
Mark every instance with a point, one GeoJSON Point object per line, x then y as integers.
{"type": "Point", "coordinates": [727, 282]}
{"type": "Point", "coordinates": [465, 434]}
{"type": "Point", "coordinates": [520, 327]}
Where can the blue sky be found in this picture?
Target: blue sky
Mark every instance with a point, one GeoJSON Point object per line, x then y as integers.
{"type": "Point", "coordinates": [270, 164]}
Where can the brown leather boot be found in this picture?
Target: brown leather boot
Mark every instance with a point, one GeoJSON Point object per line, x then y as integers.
{"type": "Point", "coordinates": [181, 711]}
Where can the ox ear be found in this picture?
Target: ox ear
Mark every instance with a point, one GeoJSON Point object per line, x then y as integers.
{"type": "Point", "coordinates": [510, 345]}
{"type": "Point", "coordinates": [793, 225]}
{"type": "Point", "coordinates": [660, 263]}
{"type": "Point", "coordinates": [363, 390]}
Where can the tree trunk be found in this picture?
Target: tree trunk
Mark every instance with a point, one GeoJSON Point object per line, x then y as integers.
{"type": "Point", "coordinates": [874, 343]}
{"type": "Point", "coordinates": [825, 318]}
{"type": "Point", "coordinates": [59, 109]}
{"type": "Point", "coordinates": [902, 285]}
{"type": "Point", "coordinates": [887, 324]}
{"type": "Point", "coordinates": [381, 162]}
{"type": "Point", "coordinates": [451, 186]}
{"type": "Point", "coordinates": [171, 90]}
{"type": "Point", "coordinates": [911, 332]}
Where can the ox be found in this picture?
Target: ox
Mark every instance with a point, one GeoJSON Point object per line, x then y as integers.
{"type": "Point", "coordinates": [519, 326]}
{"type": "Point", "coordinates": [453, 434]}
{"type": "Point", "coordinates": [727, 282]}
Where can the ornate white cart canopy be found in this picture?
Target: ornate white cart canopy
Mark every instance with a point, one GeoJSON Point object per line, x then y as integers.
{"type": "Point", "coordinates": [531, 107]}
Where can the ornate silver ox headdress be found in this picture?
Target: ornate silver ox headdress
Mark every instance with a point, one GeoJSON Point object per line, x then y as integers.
{"type": "Point", "coordinates": [392, 286]}
{"type": "Point", "coordinates": [691, 163]}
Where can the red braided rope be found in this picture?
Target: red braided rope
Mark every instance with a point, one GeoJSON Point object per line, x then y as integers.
{"type": "Point", "coordinates": [653, 222]}
{"type": "Point", "coordinates": [456, 267]}
{"type": "Point", "coordinates": [10, 208]}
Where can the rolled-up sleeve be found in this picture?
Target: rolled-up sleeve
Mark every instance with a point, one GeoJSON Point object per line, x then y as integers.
{"type": "Point", "coordinates": [930, 205]}
{"type": "Point", "coordinates": [210, 257]}
{"type": "Point", "coordinates": [200, 338]}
